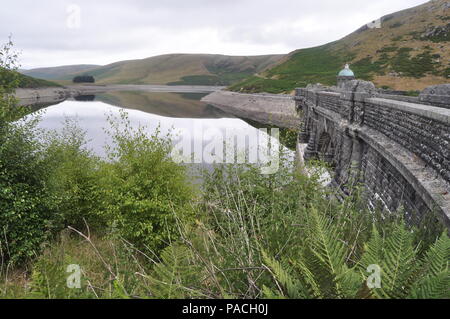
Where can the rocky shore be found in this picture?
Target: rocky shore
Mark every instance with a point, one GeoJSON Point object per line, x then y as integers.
{"type": "Point", "coordinates": [45, 95]}
{"type": "Point", "coordinates": [278, 110]}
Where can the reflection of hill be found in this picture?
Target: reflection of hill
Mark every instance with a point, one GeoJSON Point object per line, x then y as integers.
{"type": "Point", "coordinates": [85, 98]}
{"type": "Point", "coordinates": [176, 105]}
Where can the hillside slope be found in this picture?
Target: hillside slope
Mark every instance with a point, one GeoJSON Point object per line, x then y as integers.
{"type": "Point", "coordinates": [58, 73]}
{"type": "Point", "coordinates": [28, 82]}
{"type": "Point", "coordinates": [174, 69]}
{"type": "Point", "coordinates": [410, 51]}
{"type": "Point", "coordinates": [7, 77]}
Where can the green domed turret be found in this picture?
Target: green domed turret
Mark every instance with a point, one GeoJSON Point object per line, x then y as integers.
{"type": "Point", "coordinates": [344, 76]}
{"type": "Point", "coordinates": [346, 71]}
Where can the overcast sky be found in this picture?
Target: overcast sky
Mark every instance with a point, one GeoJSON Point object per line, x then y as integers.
{"type": "Point", "coordinates": [60, 32]}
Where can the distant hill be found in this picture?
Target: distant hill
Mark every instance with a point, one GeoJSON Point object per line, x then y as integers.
{"type": "Point", "coordinates": [28, 82]}
{"type": "Point", "coordinates": [8, 77]}
{"type": "Point", "coordinates": [172, 69]}
{"type": "Point", "coordinates": [410, 51]}
{"type": "Point", "coordinates": [58, 73]}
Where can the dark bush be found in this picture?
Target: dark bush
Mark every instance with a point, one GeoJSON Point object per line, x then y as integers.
{"type": "Point", "coordinates": [84, 79]}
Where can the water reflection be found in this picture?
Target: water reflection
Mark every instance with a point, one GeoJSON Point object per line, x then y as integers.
{"type": "Point", "coordinates": [193, 124]}
{"type": "Point", "coordinates": [177, 105]}
{"type": "Point", "coordinates": [85, 98]}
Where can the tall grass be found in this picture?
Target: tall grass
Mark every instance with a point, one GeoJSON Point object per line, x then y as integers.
{"type": "Point", "coordinates": [252, 236]}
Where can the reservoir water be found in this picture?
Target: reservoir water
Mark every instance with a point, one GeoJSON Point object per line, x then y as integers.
{"type": "Point", "coordinates": [198, 130]}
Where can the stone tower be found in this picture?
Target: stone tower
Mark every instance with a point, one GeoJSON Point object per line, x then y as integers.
{"type": "Point", "coordinates": [344, 76]}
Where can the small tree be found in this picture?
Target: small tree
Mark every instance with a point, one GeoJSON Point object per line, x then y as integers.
{"type": "Point", "coordinates": [84, 79]}
{"type": "Point", "coordinates": [23, 213]}
{"type": "Point", "coordinates": [9, 81]}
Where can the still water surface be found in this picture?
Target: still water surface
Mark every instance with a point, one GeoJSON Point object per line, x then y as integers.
{"type": "Point", "coordinates": [190, 121]}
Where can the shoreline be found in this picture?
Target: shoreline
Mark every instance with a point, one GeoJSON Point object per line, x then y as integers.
{"type": "Point", "coordinates": [44, 95]}
{"type": "Point", "coordinates": [271, 109]}
{"type": "Point", "coordinates": [59, 94]}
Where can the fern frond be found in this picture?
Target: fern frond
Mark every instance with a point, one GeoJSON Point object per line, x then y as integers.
{"type": "Point", "coordinates": [325, 243]}
{"type": "Point", "coordinates": [435, 281]}
{"type": "Point", "coordinates": [400, 262]}
{"type": "Point", "coordinates": [373, 250]}
{"type": "Point", "coordinates": [293, 287]}
{"type": "Point", "coordinates": [331, 254]}
{"type": "Point", "coordinates": [351, 282]}
{"type": "Point", "coordinates": [309, 279]}
{"type": "Point", "coordinates": [172, 277]}
{"type": "Point", "coordinates": [438, 256]}
{"type": "Point", "coordinates": [432, 287]}
{"type": "Point", "coordinates": [373, 255]}
{"type": "Point", "coordinates": [396, 257]}
{"type": "Point", "coordinates": [269, 294]}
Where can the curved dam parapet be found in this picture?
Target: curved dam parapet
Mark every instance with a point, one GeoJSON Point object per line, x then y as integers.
{"type": "Point", "coordinates": [278, 110]}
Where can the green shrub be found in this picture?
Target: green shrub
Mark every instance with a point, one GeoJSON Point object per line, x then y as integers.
{"type": "Point", "coordinates": [446, 73]}
{"type": "Point", "coordinates": [396, 25]}
{"type": "Point", "coordinates": [412, 93]}
{"type": "Point", "coordinates": [83, 79]}
{"type": "Point", "coordinates": [73, 181]}
{"type": "Point", "coordinates": [143, 189]}
{"type": "Point", "coordinates": [256, 84]}
{"type": "Point", "coordinates": [24, 213]}
{"type": "Point", "coordinates": [416, 66]}
{"type": "Point", "coordinates": [388, 49]}
{"type": "Point", "coordinates": [365, 68]}
{"type": "Point", "coordinates": [398, 38]}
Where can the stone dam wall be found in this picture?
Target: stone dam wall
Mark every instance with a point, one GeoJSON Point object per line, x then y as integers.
{"type": "Point", "coordinates": [398, 150]}
{"type": "Point", "coordinates": [278, 110]}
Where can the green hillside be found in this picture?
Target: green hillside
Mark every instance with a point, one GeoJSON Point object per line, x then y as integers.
{"type": "Point", "coordinates": [177, 69]}
{"type": "Point", "coordinates": [409, 52]}
{"type": "Point", "coordinates": [23, 81]}
{"type": "Point", "coordinates": [27, 82]}
{"type": "Point", "coordinates": [58, 73]}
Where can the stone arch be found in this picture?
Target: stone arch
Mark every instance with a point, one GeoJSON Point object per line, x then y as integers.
{"type": "Point", "coordinates": [325, 147]}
